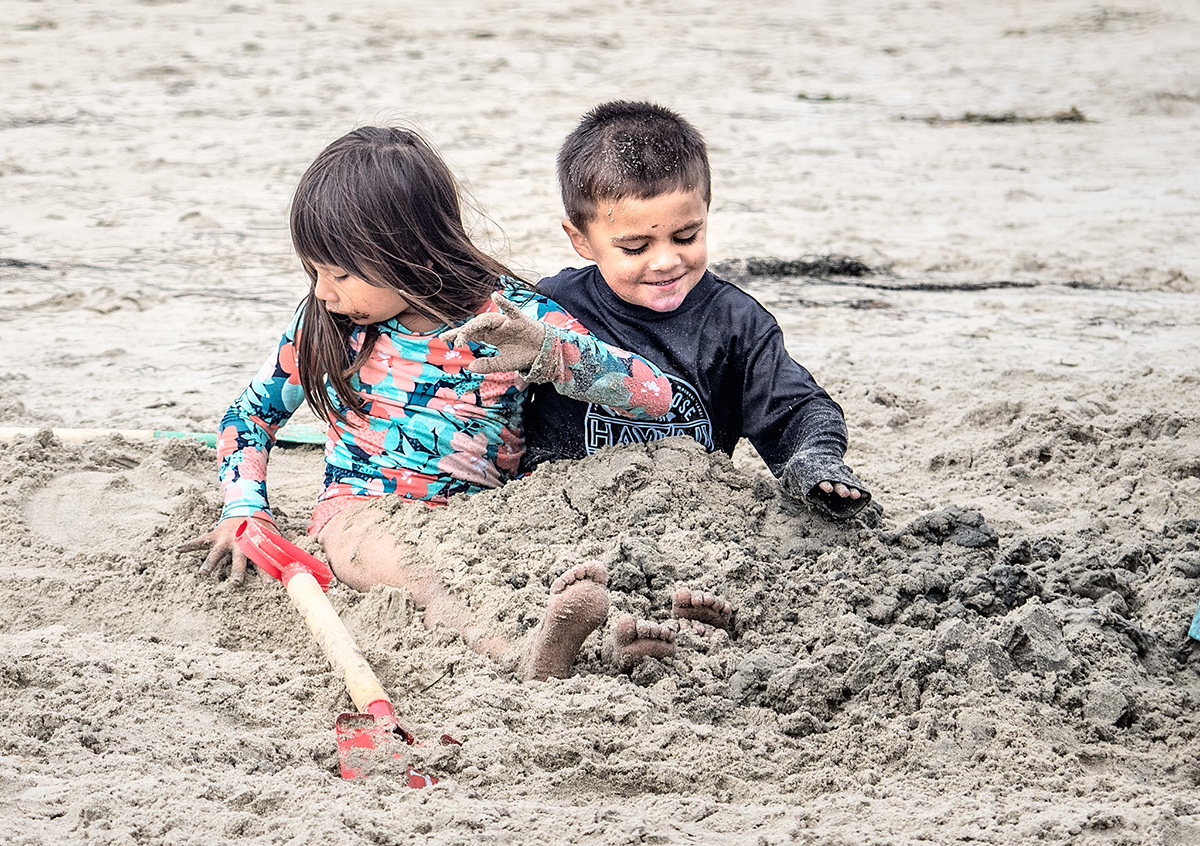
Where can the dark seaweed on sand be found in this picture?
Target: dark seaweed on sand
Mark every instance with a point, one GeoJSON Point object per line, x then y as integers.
{"type": "Point", "coordinates": [814, 267]}
{"type": "Point", "coordinates": [1071, 115]}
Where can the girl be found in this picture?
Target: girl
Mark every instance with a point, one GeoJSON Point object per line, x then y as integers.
{"type": "Point", "coordinates": [377, 226]}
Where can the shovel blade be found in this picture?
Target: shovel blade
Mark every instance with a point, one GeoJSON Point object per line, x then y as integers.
{"type": "Point", "coordinates": [369, 744]}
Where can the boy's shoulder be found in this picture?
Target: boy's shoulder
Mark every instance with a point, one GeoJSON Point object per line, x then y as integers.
{"type": "Point", "coordinates": [566, 276]}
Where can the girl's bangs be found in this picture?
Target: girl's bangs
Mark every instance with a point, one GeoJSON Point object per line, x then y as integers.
{"type": "Point", "coordinates": [316, 241]}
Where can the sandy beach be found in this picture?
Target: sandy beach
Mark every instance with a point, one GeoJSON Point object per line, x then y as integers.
{"type": "Point", "coordinates": [995, 654]}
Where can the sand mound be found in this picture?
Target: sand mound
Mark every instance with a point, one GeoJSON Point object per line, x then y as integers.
{"type": "Point", "coordinates": [907, 668]}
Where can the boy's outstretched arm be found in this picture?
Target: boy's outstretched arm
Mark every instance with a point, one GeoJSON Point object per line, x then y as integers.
{"type": "Point", "coordinates": [798, 429]}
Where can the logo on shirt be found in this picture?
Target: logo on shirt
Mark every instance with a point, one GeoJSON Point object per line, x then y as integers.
{"type": "Point", "coordinates": [687, 417]}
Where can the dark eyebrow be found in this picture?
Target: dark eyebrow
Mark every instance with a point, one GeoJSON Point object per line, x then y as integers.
{"type": "Point", "coordinates": [689, 225]}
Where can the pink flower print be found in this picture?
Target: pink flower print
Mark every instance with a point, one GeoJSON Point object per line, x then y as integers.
{"type": "Point", "coordinates": [338, 489]}
{"type": "Point", "coordinates": [408, 483]}
{"type": "Point", "coordinates": [266, 427]}
{"type": "Point", "coordinates": [253, 466]}
{"type": "Point", "coordinates": [496, 385]}
{"type": "Point", "coordinates": [371, 441]}
{"type": "Point", "coordinates": [652, 394]}
{"type": "Point", "coordinates": [227, 442]}
{"type": "Point", "coordinates": [450, 359]}
{"type": "Point", "coordinates": [405, 374]}
{"type": "Point", "coordinates": [383, 408]}
{"type": "Point", "coordinates": [373, 487]}
{"type": "Point", "coordinates": [446, 401]}
{"type": "Point", "coordinates": [562, 320]}
{"type": "Point", "coordinates": [374, 371]}
{"type": "Point", "coordinates": [289, 364]}
{"type": "Point", "coordinates": [510, 450]}
{"type": "Point", "coordinates": [469, 460]}
{"type": "Point", "coordinates": [569, 353]}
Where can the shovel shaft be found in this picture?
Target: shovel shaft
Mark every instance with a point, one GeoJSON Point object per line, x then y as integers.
{"type": "Point", "coordinates": [335, 640]}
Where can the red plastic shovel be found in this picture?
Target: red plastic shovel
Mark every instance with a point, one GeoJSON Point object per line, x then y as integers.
{"type": "Point", "coordinates": [365, 738]}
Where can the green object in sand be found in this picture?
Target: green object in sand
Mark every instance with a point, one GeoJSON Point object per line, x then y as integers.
{"type": "Point", "coordinates": [293, 433]}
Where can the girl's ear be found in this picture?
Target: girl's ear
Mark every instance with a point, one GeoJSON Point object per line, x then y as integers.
{"type": "Point", "coordinates": [578, 240]}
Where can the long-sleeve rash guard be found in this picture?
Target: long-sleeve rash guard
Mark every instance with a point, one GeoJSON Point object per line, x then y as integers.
{"type": "Point", "coordinates": [430, 427]}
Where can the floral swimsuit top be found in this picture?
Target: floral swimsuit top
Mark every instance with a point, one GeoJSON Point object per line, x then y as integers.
{"type": "Point", "coordinates": [432, 428]}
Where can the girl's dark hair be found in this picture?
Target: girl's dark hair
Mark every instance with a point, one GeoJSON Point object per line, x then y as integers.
{"type": "Point", "coordinates": [629, 149]}
{"type": "Point", "coordinates": [380, 204]}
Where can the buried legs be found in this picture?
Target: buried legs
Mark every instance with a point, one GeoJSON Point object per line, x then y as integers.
{"type": "Point", "coordinates": [363, 553]}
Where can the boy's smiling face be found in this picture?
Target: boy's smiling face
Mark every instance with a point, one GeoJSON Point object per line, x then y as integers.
{"type": "Point", "coordinates": [651, 252]}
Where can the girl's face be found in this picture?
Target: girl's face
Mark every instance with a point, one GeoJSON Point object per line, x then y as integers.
{"type": "Point", "coordinates": [363, 302]}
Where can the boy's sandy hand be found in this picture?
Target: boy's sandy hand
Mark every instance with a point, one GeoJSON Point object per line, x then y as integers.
{"type": "Point", "coordinates": [844, 491]}
{"type": "Point", "coordinates": [221, 545]}
{"type": "Point", "coordinates": [518, 338]}
{"type": "Point", "coordinates": [836, 500]}
{"type": "Point", "coordinates": [822, 482]}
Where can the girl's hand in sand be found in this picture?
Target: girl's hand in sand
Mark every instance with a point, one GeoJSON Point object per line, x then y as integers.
{"type": "Point", "coordinates": [517, 338]}
{"type": "Point", "coordinates": [221, 546]}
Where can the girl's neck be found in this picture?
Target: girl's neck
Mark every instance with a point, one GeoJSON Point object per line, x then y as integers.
{"type": "Point", "coordinates": [416, 324]}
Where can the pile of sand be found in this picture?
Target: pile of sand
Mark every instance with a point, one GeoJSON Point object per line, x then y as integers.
{"type": "Point", "coordinates": [945, 674]}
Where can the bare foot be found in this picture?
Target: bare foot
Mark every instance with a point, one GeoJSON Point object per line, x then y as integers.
{"type": "Point", "coordinates": [635, 640]}
{"type": "Point", "coordinates": [578, 605]}
{"type": "Point", "coordinates": [706, 608]}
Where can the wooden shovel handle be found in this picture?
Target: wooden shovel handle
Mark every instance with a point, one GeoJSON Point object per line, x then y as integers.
{"type": "Point", "coordinates": [335, 640]}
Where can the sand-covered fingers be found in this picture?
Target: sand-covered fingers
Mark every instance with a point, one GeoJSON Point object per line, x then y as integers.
{"type": "Point", "coordinates": [477, 329]}
{"type": "Point", "coordinates": [517, 337]}
{"type": "Point", "coordinates": [221, 547]}
{"type": "Point", "coordinates": [842, 490]}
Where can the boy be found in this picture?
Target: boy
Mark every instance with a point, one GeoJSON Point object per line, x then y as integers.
{"type": "Point", "coordinates": [636, 188]}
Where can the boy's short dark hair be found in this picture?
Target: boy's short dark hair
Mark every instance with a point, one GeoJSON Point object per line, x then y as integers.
{"type": "Point", "coordinates": [624, 149]}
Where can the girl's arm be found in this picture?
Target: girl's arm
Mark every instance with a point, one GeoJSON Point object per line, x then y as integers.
{"type": "Point", "coordinates": [551, 346]}
{"type": "Point", "coordinates": [246, 436]}
{"type": "Point", "coordinates": [248, 430]}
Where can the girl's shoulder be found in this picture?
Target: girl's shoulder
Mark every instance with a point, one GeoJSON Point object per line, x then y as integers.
{"type": "Point", "coordinates": [525, 297]}
{"type": "Point", "coordinates": [516, 290]}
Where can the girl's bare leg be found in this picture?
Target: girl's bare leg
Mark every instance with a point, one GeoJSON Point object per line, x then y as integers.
{"type": "Point", "coordinates": [363, 553]}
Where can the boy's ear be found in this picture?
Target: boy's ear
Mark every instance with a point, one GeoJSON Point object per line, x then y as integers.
{"type": "Point", "coordinates": [578, 240]}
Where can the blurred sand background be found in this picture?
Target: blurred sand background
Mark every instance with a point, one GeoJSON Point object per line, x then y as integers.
{"type": "Point", "coordinates": [999, 657]}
